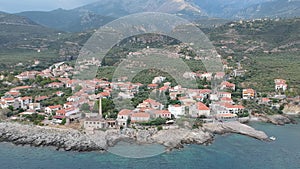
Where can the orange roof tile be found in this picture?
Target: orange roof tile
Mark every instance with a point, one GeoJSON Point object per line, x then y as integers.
{"type": "Point", "coordinates": [125, 112]}
{"type": "Point", "coordinates": [202, 106]}
{"type": "Point", "coordinates": [146, 115]}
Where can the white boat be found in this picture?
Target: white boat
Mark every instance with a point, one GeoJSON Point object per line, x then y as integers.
{"type": "Point", "coordinates": [273, 138]}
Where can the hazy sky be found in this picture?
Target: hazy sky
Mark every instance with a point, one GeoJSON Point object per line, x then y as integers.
{"type": "Point", "coordinates": [13, 6]}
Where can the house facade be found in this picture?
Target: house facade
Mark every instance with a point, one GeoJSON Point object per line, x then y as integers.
{"type": "Point", "coordinates": [140, 117]}
{"type": "Point", "coordinates": [248, 94]}
{"type": "Point", "coordinates": [177, 110]}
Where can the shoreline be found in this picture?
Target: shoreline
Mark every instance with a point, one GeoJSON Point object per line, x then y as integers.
{"type": "Point", "coordinates": [75, 140]}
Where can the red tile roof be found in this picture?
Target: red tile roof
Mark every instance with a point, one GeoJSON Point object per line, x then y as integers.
{"type": "Point", "coordinates": [55, 107]}
{"type": "Point", "coordinates": [125, 112]}
{"type": "Point", "coordinates": [202, 106]}
{"type": "Point", "coordinates": [61, 112]}
{"type": "Point", "coordinates": [145, 115]}
{"type": "Point", "coordinates": [21, 87]}
{"type": "Point", "coordinates": [26, 98]}
{"type": "Point", "coordinates": [159, 112]}
{"type": "Point", "coordinates": [153, 85]}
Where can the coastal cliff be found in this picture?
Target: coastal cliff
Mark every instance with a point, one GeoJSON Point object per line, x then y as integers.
{"type": "Point", "coordinates": [71, 139]}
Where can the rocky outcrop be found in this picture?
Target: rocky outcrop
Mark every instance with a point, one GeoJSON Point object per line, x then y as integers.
{"type": "Point", "coordinates": [235, 127]}
{"type": "Point", "coordinates": [176, 138]}
{"type": "Point", "coordinates": [292, 109]}
{"type": "Point", "coordinates": [70, 139]}
{"type": "Point", "coordinates": [66, 139]}
{"type": "Point", "coordinates": [277, 119]}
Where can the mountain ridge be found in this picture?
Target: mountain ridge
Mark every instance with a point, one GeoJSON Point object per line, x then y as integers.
{"type": "Point", "coordinates": [94, 15]}
{"type": "Point", "coordinates": [271, 9]}
{"type": "Point", "coordinates": [67, 20]}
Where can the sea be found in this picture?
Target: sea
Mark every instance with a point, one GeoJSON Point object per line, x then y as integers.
{"type": "Point", "coordinates": [230, 151]}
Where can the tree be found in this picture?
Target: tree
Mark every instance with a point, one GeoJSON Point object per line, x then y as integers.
{"type": "Point", "coordinates": [108, 108]}
{"type": "Point", "coordinates": [64, 121]}
{"type": "Point", "coordinates": [281, 107]}
{"type": "Point", "coordinates": [159, 128]}
{"type": "Point", "coordinates": [38, 79]}
{"type": "Point", "coordinates": [11, 108]}
{"type": "Point", "coordinates": [85, 107]}
{"type": "Point", "coordinates": [78, 88]}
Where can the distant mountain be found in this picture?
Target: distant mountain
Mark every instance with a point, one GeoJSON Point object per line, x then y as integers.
{"type": "Point", "coordinates": [17, 29]}
{"type": "Point", "coordinates": [224, 8]}
{"type": "Point", "coordinates": [96, 14]}
{"type": "Point", "coordinates": [119, 8]}
{"type": "Point", "coordinates": [68, 20]}
{"type": "Point", "coordinates": [272, 9]}
{"type": "Point", "coordinates": [10, 19]}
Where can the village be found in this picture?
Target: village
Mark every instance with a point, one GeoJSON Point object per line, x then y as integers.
{"type": "Point", "coordinates": [88, 104]}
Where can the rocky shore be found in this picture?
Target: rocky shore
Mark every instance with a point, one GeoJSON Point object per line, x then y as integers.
{"type": "Point", "coordinates": [70, 139]}
{"type": "Point", "coordinates": [278, 119]}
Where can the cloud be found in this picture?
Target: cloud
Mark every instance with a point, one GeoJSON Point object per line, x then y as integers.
{"type": "Point", "coordinates": [13, 6]}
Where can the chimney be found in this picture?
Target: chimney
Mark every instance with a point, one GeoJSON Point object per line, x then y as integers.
{"type": "Point", "coordinates": [100, 107]}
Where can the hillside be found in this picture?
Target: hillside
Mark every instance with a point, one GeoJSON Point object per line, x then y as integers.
{"type": "Point", "coordinates": [272, 9]}
{"type": "Point", "coordinates": [96, 14]}
{"type": "Point", "coordinates": [267, 35]}
{"type": "Point", "coordinates": [119, 8]}
{"type": "Point", "coordinates": [68, 20]}
{"type": "Point", "coordinates": [15, 30]}
{"type": "Point", "coordinates": [224, 8]}
{"type": "Point", "coordinates": [267, 49]}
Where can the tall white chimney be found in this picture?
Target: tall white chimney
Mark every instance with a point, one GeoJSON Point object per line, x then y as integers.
{"type": "Point", "coordinates": [100, 107]}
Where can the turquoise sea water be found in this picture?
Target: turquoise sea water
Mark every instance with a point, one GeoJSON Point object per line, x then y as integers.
{"type": "Point", "coordinates": [227, 152]}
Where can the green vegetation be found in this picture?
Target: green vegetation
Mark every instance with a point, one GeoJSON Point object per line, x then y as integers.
{"type": "Point", "coordinates": [10, 59]}
{"type": "Point", "coordinates": [64, 121]}
{"type": "Point", "coordinates": [264, 68]}
{"type": "Point", "coordinates": [35, 118]}
{"type": "Point", "coordinates": [159, 128]}
{"type": "Point", "coordinates": [85, 107]}
{"type": "Point", "coordinates": [108, 108]}
{"type": "Point", "coordinates": [155, 122]}
{"type": "Point", "coordinates": [142, 95]}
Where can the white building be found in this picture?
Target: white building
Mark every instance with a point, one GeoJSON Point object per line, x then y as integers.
{"type": "Point", "coordinates": [51, 109]}
{"type": "Point", "coordinates": [248, 94]}
{"type": "Point", "coordinates": [226, 108]}
{"type": "Point", "coordinates": [95, 123]}
{"type": "Point", "coordinates": [280, 84]}
{"type": "Point", "coordinates": [199, 109]}
{"type": "Point", "coordinates": [177, 110]}
{"type": "Point", "coordinates": [34, 106]}
{"type": "Point", "coordinates": [140, 117]}
{"type": "Point", "coordinates": [158, 80]}
{"type": "Point", "coordinates": [24, 102]}
{"type": "Point", "coordinates": [123, 117]}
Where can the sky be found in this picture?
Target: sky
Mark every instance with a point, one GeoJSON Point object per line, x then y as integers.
{"type": "Point", "coordinates": [14, 6]}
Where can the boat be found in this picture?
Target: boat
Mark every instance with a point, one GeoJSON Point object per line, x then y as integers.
{"type": "Point", "coordinates": [273, 138]}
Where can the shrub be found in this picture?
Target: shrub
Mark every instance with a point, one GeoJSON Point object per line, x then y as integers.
{"type": "Point", "coordinates": [159, 128]}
